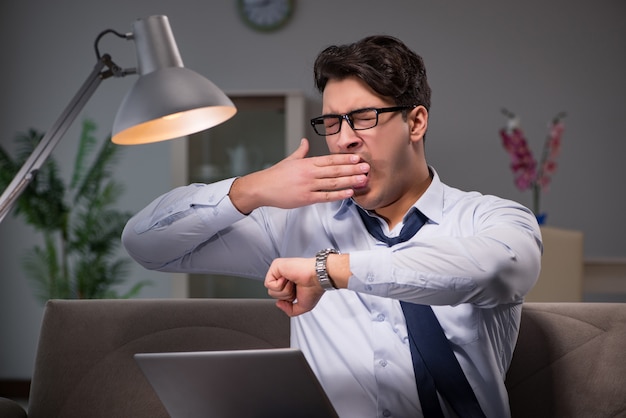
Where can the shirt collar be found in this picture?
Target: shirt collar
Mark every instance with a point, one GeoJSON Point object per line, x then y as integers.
{"type": "Point", "coordinates": [431, 202]}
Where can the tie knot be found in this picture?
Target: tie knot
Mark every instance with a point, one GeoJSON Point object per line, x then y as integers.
{"type": "Point", "coordinates": [413, 221]}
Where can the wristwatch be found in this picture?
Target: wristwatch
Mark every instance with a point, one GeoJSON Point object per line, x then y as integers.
{"type": "Point", "coordinates": [320, 268]}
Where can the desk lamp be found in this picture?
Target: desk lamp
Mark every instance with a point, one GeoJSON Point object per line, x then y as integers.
{"type": "Point", "coordinates": [167, 101]}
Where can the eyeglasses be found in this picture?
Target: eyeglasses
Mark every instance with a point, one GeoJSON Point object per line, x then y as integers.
{"type": "Point", "coordinates": [358, 120]}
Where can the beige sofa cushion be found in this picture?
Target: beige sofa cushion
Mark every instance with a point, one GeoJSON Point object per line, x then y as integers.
{"type": "Point", "coordinates": [570, 361]}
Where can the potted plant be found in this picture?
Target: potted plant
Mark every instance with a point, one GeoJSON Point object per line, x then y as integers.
{"type": "Point", "coordinates": [78, 222]}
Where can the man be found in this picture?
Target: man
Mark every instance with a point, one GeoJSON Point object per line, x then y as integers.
{"type": "Point", "coordinates": [301, 225]}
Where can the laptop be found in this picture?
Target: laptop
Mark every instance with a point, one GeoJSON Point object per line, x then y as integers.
{"type": "Point", "coordinates": [236, 384]}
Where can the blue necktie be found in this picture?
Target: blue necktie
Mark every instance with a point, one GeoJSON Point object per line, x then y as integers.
{"type": "Point", "coordinates": [434, 363]}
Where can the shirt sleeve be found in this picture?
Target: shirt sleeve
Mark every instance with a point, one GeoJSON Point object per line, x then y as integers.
{"type": "Point", "coordinates": [194, 229]}
{"type": "Point", "coordinates": [498, 261]}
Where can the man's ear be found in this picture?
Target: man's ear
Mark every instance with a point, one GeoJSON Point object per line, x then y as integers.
{"type": "Point", "coordinates": [418, 122]}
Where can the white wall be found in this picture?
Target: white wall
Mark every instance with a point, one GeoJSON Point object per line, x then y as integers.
{"type": "Point", "coordinates": [534, 57]}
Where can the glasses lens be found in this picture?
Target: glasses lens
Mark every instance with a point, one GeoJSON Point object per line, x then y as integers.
{"type": "Point", "coordinates": [363, 119]}
{"type": "Point", "coordinates": [359, 120]}
{"type": "Point", "coordinates": [331, 124]}
{"type": "Point", "coordinates": [326, 125]}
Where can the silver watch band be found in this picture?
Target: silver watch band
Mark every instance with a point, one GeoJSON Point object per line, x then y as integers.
{"type": "Point", "coordinates": [320, 268]}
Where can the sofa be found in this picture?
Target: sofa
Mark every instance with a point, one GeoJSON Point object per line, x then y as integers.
{"type": "Point", "coordinates": [569, 360]}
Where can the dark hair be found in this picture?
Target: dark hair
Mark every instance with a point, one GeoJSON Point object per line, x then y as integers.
{"type": "Point", "coordinates": [384, 63]}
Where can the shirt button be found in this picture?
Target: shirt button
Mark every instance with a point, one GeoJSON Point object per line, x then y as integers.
{"type": "Point", "coordinates": [383, 363]}
{"type": "Point", "coordinates": [380, 318]}
{"type": "Point", "coordinates": [368, 287]}
{"type": "Point", "coordinates": [370, 277]}
{"type": "Point", "coordinates": [386, 413]}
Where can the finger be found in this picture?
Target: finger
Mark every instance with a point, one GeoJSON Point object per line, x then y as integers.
{"type": "Point", "coordinates": [281, 296]}
{"type": "Point", "coordinates": [336, 159]}
{"type": "Point", "coordinates": [290, 291]}
{"type": "Point", "coordinates": [301, 151]}
{"type": "Point", "coordinates": [331, 196]}
{"type": "Point", "coordinates": [341, 183]}
{"type": "Point", "coordinates": [341, 171]}
{"type": "Point", "coordinates": [293, 309]}
{"type": "Point", "coordinates": [275, 284]}
{"type": "Point", "coordinates": [288, 294]}
{"type": "Point", "coordinates": [285, 306]}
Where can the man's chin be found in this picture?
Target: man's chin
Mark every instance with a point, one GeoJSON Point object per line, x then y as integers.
{"type": "Point", "coordinates": [360, 191]}
{"type": "Point", "coordinates": [360, 197]}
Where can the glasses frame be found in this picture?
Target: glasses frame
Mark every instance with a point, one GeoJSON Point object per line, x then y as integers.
{"type": "Point", "coordinates": [348, 117]}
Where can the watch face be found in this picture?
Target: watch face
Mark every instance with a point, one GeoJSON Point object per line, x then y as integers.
{"type": "Point", "coordinates": [265, 15]}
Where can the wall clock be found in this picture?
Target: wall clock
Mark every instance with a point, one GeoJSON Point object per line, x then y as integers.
{"type": "Point", "coordinates": [266, 15]}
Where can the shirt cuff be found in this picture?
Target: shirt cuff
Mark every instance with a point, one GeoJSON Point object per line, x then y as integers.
{"type": "Point", "coordinates": [371, 271]}
{"type": "Point", "coordinates": [213, 201]}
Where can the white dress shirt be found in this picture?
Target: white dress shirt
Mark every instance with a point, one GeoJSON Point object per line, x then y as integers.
{"type": "Point", "coordinates": [474, 261]}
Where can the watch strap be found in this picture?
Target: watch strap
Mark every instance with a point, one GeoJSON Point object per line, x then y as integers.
{"type": "Point", "coordinates": [320, 268]}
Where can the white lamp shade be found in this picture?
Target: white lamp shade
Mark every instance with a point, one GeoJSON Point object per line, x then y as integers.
{"type": "Point", "coordinates": [168, 100]}
{"type": "Point", "coordinates": [169, 103]}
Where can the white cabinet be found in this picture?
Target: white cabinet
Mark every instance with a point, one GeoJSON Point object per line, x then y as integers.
{"type": "Point", "coordinates": [267, 127]}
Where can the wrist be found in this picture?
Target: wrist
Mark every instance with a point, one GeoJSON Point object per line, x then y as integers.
{"type": "Point", "coordinates": [338, 268]}
{"type": "Point", "coordinates": [242, 196]}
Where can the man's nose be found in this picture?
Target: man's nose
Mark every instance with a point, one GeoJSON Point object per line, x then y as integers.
{"type": "Point", "coordinates": [347, 138]}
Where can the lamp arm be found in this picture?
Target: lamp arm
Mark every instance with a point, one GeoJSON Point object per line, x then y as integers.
{"type": "Point", "coordinates": [52, 137]}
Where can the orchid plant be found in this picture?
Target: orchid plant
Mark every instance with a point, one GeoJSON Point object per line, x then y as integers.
{"type": "Point", "coordinates": [527, 172]}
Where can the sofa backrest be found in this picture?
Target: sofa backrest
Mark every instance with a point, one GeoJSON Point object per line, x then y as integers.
{"type": "Point", "coordinates": [85, 367]}
{"type": "Point", "coordinates": [570, 361]}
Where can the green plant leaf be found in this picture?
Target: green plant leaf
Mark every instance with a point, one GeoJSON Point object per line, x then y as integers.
{"type": "Point", "coordinates": [80, 257]}
{"type": "Point", "coordinates": [101, 169]}
{"type": "Point", "coordinates": [85, 146]}
{"type": "Point", "coordinates": [43, 268]}
{"type": "Point", "coordinates": [42, 202]}
{"type": "Point", "coordinates": [8, 168]}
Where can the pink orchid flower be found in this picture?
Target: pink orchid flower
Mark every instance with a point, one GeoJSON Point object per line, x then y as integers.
{"type": "Point", "coordinates": [527, 174]}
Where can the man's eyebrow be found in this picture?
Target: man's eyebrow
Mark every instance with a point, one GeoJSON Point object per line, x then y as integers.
{"type": "Point", "coordinates": [351, 111]}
